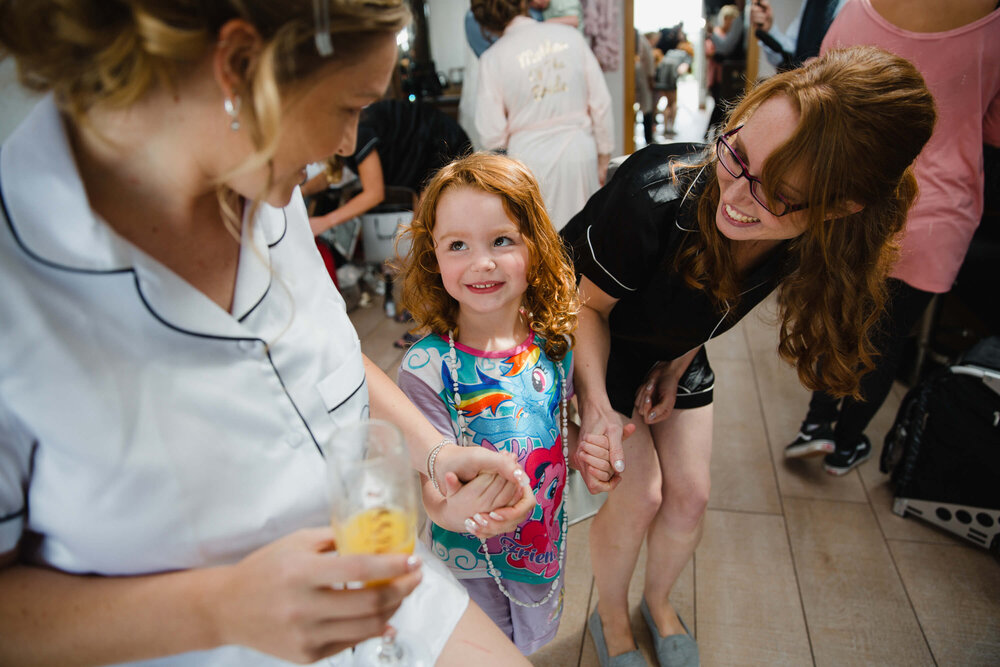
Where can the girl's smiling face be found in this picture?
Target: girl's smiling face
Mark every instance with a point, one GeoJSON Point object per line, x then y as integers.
{"type": "Point", "coordinates": [482, 258]}
{"type": "Point", "coordinates": [739, 216]}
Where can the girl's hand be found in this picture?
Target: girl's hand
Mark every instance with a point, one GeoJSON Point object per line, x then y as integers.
{"type": "Point", "coordinates": [592, 458]}
{"type": "Point", "coordinates": [455, 465]}
{"type": "Point", "coordinates": [601, 435]}
{"type": "Point", "coordinates": [486, 506]}
{"type": "Point", "coordinates": [287, 598]}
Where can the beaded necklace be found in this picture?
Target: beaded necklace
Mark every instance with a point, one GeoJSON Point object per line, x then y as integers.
{"type": "Point", "coordinates": [464, 441]}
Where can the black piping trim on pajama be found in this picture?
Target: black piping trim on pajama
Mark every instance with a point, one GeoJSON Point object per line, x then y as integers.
{"type": "Point", "coordinates": [45, 262]}
{"type": "Point", "coordinates": [14, 515]}
{"type": "Point", "coordinates": [349, 397]}
{"type": "Point", "coordinates": [270, 279]}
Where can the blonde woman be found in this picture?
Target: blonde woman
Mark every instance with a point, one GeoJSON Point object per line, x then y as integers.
{"type": "Point", "coordinates": [173, 354]}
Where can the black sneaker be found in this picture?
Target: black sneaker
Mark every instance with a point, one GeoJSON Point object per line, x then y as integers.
{"type": "Point", "coordinates": [812, 441]}
{"type": "Point", "coordinates": [841, 462]}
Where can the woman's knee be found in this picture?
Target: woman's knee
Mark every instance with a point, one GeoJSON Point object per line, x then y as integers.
{"type": "Point", "coordinates": [636, 506]}
{"type": "Point", "coordinates": [648, 504]}
{"type": "Point", "coordinates": [685, 503]}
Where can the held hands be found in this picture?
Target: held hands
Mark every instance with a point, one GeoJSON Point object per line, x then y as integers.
{"type": "Point", "coordinates": [598, 454]}
{"type": "Point", "coordinates": [482, 492]}
{"type": "Point", "coordinates": [287, 598]}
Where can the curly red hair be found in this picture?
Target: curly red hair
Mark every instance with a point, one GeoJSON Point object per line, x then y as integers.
{"type": "Point", "coordinates": [864, 116]}
{"type": "Point", "coordinates": [550, 299]}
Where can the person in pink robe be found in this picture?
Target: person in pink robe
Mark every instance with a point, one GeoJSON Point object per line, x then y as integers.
{"type": "Point", "coordinates": [542, 98]}
{"type": "Point", "coordinates": [956, 50]}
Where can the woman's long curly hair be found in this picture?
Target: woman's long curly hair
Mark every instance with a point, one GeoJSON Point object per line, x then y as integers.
{"type": "Point", "coordinates": [550, 299]}
{"type": "Point", "coordinates": [864, 116]}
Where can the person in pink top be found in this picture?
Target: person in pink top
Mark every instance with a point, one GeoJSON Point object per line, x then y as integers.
{"type": "Point", "coordinates": [956, 47]}
{"type": "Point", "coordinates": [542, 97]}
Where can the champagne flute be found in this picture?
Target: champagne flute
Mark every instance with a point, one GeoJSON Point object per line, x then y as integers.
{"type": "Point", "coordinates": [373, 496]}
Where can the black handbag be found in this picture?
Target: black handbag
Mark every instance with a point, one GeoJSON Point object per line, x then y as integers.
{"type": "Point", "coordinates": [943, 450]}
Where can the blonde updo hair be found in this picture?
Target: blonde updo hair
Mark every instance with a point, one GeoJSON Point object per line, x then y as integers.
{"type": "Point", "coordinates": [111, 52]}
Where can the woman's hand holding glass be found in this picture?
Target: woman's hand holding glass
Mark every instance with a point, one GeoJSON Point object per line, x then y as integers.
{"type": "Point", "coordinates": [289, 598]}
{"type": "Point", "coordinates": [295, 598]}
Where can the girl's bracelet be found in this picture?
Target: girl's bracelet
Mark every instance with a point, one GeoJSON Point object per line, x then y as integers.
{"type": "Point", "coordinates": [432, 459]}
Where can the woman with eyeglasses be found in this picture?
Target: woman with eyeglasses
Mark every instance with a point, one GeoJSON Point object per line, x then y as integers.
{"type": "Point", "coordinates": [173, 354]}
{"type": "Point", "coordinates": [803, 192]}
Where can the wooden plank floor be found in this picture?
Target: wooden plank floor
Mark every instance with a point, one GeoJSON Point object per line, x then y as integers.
{"type": "Point", "coordinates": [796, 567]}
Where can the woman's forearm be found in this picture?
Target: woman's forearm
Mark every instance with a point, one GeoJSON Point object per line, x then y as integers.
{"type": "Point", "coordinates": [361, 203]}
{"type": "Point", "coordinates": [287, 599]}
{"type": "Point", "coordinates": [600, 424]}
{"type": "Point", "coordinates": [593, 343]}
{"type": "Point", "coordinates": [316, 184]}
{"type": "Point", "coordinates": [570, 20]}
{"type": "Point", "coordinates": [372, 194]}
{"type": "Point", "coordinates": [51, 618]}
{"type": "Point", "coordinates": [388, 402]}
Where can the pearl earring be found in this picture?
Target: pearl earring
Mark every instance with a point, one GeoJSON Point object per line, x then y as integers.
{"type": "Point", "coordinates": [232, 107]}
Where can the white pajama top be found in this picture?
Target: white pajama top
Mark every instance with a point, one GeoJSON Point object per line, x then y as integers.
{"type": "Point", "coordinates": [145, 429]}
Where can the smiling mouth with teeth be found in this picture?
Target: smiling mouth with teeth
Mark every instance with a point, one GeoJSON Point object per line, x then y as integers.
{"type": "Point", "coordinates": [739, 217]}
{"type": "Point", "coordinates": [483, 285]}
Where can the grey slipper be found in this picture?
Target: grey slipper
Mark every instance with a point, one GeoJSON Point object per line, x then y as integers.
{"type": "Point", "coordinates": [675, 650]}
{"type": "Point", "coordinates": [630, 659]}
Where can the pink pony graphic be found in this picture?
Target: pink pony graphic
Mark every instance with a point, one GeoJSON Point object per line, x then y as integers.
{"type": "Point", "coordinates": [536, 541]}
{"type": "Point", "coordinates": [514, 412]}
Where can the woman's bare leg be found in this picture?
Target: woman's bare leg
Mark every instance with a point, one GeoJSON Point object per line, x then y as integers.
{"type": "Point", "coordinates": [684, 445]}
{"type": "Point", "coordinates": [477, 640]}
{"type": "Point", "coordinates": [616, 536]}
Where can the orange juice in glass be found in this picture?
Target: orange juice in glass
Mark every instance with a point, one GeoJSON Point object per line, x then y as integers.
{"type": "Point", "coordinates": [373, 500]}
